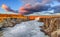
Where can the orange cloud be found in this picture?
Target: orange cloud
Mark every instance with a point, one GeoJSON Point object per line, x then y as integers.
{"type": "Point", "coordinates": [27, 5]}
{"type": "Point", "coordinates": [23, 8]}
{"type": "Point", "coordinates": [4, 6]}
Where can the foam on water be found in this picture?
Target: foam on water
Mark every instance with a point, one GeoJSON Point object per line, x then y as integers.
{"type": "Point", "coordinates": [25, 29]}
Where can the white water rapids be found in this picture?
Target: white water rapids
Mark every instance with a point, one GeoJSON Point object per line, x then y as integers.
{"type": "Point", "coordinates": [25, 29]}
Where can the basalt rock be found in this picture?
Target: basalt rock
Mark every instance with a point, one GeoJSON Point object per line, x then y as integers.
{"type": "Point", "coordinates": [51, 27]}
{"type": "Point", "coordinates": [10, 22]}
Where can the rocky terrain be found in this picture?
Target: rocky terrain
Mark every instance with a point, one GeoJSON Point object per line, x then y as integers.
{"type": "Point", "coordinates": [25, 29]}
{"type": "Point", "coordinates": [52, 28]}
{"type": "Point", "coordinates": [10, 22]}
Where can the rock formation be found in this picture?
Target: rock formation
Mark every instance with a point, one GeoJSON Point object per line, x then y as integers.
{"type": "Point", "coordinates": [10, 22]}
{"type": "Point", "coordinates": [51, 27]}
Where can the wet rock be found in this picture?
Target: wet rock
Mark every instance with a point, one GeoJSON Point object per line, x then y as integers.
{"type": "Point", "coordinates": [1, 33]}
{"type": "Point", "coordinates": [52, 26]}
{"type": "Point", "coordinates": [10, 22]}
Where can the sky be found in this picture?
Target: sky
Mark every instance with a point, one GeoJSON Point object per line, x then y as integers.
{"type": "Point", "coordinates": [14, 4]}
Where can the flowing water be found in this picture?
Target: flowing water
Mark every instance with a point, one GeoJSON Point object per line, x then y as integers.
{"type": "Point", "coordinates": [25, 29]}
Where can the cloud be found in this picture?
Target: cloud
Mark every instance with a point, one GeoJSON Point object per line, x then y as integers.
{"type": "Point", "coordinates": [35, 1]}
{"type": "Point", "coordinates": [30, 8]}
{"type": "Point", "coordinates": [56, 9]}
{"type": "Point", "coordinates": [29, 1]}
{"type": "Point", "coordinates": [36, 7]}
{"type": "Point", "coordinates": [58, 0]}
{"type": "Point", "coordinates": [5, 7]}
{"type": "Point", "coordinates": [46, 1]}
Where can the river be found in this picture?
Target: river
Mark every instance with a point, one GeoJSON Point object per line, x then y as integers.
{"type": "Point", "coordinates": [25, 29]}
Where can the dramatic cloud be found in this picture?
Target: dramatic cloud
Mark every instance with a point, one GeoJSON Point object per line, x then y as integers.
{"type": "Point", "coordinates": [25, 9]}
{"type": "Point", "coordinates": [36, 7]}
{"type": "Point", "coordinates": [46, 1]}
{"type": "Point", "coordinates": [35, 1]}
{"type": "Point", "coordinates": [56, 9]}
{"type": "Point", "coordinates": [32, 6]}
{"type": "Point", "coordinates": [58, 0]}
{"type": "Point", "coordinates": [29, 1]}
{"type": "Point", "coordinates": [5, 7]}
{"type": "Point", "coordinates": [29, 8]}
